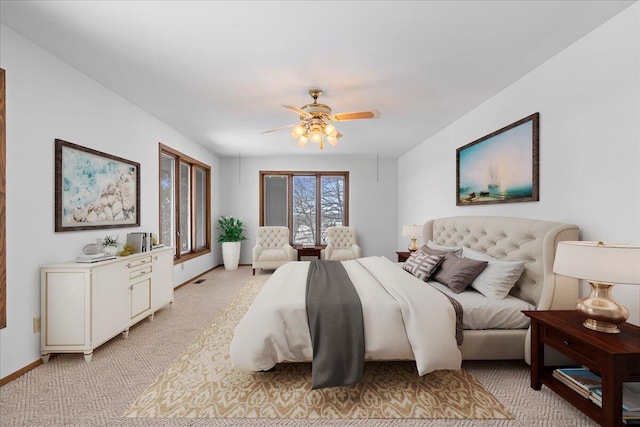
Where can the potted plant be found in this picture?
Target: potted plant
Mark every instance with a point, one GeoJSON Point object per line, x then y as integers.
{"type": "Point", "coordinates": [110, 245]}
{"type": "Point", "coordinates": [230, 236]}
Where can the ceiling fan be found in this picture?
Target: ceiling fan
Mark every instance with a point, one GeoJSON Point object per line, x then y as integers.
{"type": "Point", "coordinates": [315, 121]}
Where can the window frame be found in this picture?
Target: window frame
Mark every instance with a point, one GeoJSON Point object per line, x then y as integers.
{"type": "Point", "coordinates": [179, 159]}
{"type": "Point", "coordinates": [318, 175]}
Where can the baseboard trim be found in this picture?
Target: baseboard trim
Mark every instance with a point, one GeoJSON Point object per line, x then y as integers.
{"type": "Point", "coordinates": [20, 372]}
{"type": "Point", "coordinates": [30, 366]}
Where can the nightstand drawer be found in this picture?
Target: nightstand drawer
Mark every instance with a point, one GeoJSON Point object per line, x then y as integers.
{"type": "Point", "coordinates": [571, 346]}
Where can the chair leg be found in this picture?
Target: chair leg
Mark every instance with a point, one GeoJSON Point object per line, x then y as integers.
{"type": "Point", "coordinates": [254, 271]}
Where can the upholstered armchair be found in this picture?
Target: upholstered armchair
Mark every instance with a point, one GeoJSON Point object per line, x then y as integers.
{"type": "Point", "coordinates": [341, 244]}
{"type": "Point", "coordinates": [272, 248]}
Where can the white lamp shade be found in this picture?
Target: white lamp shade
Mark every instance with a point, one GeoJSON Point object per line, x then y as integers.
{"type": "Point", "coordinates": [412, 230]}
{"type": "Point", "coordinates": [598, 262]}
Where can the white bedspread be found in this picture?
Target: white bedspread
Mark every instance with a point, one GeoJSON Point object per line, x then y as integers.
{"type": "Point", "coordinates": [404, 319]}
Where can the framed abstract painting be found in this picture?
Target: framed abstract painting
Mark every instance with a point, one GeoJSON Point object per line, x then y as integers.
{"type": "Point", "coordinates": [94, 190]}
{"type": "Point", "coordinates": [502, 167]}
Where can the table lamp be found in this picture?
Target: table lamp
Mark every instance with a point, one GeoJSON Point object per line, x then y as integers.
{"type": "Point", "coordinates": [412, 231]}
{"type": "Point", "coordinates": [602, 265]}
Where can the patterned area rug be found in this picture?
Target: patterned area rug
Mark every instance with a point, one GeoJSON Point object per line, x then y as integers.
{"type": "Point", "coordinates": [201, 383]}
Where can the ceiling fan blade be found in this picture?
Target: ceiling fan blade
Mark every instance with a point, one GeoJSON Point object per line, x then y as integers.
{"type": "Point", "coordinates": [297, 110]}
{"type": "Point", "coordinates": [373, 114]}
{"type": "Point", "coordinates": [277, 129]}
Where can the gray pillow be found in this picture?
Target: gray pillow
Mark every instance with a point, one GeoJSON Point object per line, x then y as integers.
{"type": "Point", "coordinates": [422, 265]}
{"type": "Point", "coordinates": [430, 251]}
{"type": "Point", "coordinates": [433, 245]}
{"type": "Point", "coordinates": [458, 273]}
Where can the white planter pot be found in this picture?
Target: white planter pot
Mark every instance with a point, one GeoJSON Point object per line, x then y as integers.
{"type": "Point", "coordinates": [110, 250]}
{"type": "Point", "coordinates": [231, 255]}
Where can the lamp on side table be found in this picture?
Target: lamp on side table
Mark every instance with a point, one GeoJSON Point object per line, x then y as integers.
{"type": "Point", "coordinates": [412, 231]}
{"type": "Point", "coordinates": [602, 265]}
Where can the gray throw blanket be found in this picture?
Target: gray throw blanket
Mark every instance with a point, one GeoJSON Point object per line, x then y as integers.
{"type": "Point", "coordinates": [459, 314]}
{"type": "Point", "coordinates": [335, 319]}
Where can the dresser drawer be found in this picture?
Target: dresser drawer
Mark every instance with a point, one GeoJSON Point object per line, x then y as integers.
{"type": "Point", "coordinates": [141, 271]}
{"type": "Point", "coordinates": [139, 261]}
{"type": "Point", "coordinates": [570, 346]}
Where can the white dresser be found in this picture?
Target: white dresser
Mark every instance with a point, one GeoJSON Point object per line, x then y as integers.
{"type": "Point", "coordinates": [85, 305]}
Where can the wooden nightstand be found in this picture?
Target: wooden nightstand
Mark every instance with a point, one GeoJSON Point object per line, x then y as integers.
{"type": "Point", "coordinates": [315, 251]}
{"type": "Point", "coordinates": [614, 357]}
{"type": "Point", "coordinates": [402, 256]}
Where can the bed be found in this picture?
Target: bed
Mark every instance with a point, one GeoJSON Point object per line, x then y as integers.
{"type": "Point", "coordinates": [403, 319]}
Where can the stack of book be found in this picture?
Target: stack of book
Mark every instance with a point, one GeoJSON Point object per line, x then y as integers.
{"type": "Point", "coordinates": [630, 404]}
{"type": "Point", "coordinates": [589, 385]}
{"type": "Point", "coordinates": [581, 380]}
{"type": "Point", "coordinates": [95, 257]}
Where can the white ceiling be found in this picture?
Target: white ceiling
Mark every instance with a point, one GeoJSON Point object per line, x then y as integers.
{"type": "Point", "coordinates": [220, 71]}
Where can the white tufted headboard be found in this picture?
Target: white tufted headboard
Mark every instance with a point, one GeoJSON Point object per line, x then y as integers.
{"type": "Point", "coordinates": [515, 239]}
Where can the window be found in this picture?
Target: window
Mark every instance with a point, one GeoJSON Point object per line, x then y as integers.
{"type": "Point", "coordinates": [185, 219]}
{"type": "Point", "coordinates": [306, 202]}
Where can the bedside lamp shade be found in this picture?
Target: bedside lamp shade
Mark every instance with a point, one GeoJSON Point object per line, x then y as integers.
{"type": "Point", "coordinates": [412, 231]}
{"type": "Point", "coordinates": [602, 265]}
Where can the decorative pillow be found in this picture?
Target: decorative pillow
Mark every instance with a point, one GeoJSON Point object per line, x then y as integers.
{"type": "Point", "coordinates": [422, 265]}
{"type": "Point", "coordinates": [436, 251]}
{"type": "Point", "coordinates": [498, 278]}
{"type": "Point", "coordinates": [458, 273]}
{"type": "Point", "coordinates": [432, 245]}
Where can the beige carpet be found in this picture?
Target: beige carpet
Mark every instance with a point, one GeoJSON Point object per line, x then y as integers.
{"type": "Point", "coordinates": [69, 392]}
{"type": "Point", "coordinates": [201, 383]}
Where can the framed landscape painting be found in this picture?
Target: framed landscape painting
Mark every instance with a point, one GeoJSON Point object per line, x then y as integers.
{"type": "Point", "coordinates": [94, 190]}
{"type": "Point", "coordinates": [501, 167]}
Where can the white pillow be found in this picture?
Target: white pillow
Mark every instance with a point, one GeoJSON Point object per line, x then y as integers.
{"type": "Point", "coordinates": [455, 249]}
{"type": "Point", "coordinates": [498, 278]}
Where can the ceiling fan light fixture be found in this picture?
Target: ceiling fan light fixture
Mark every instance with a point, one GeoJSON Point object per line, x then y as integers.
{"type": "Point", "coordinates": [316, 136]}
{"type": "Point", "coordinates": [315, 121]}
{"type": "Point", "coordinates": [297, 131]}
{"type": "Point", "coordinates": [330, 129]}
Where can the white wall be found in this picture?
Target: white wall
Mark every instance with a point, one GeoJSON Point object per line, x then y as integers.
{"type": "Point", "coordinates": [372, 195]}
{"type": "Point", "coordinates": [588, 97]}
{"type": "Point", "coordinates": [46, 99]}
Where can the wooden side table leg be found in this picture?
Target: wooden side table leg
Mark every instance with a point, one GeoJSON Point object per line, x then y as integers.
{"type": "Point", "coordinates": [611, 395]}
{"type": "Point", "coordinates": [537, 356]}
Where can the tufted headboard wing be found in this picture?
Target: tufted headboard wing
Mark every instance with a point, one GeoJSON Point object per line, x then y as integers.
{"type": "Point", "coordinates": [515, 239]}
